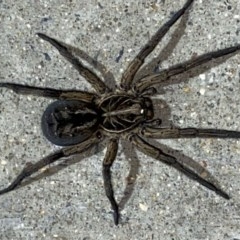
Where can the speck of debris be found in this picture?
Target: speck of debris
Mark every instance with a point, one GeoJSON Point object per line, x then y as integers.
{"type": "Point", "coordinates": [4, 162]}
{"type": "Point", "coordinates": [119, 55]}
{"type": "Point", "coordinates": [186, 89]}
{"type": "Point", "coordinates": [143, 207]}
{"type": "Point", "coordinates": [202, 91]}
{"type": "Point", "coordinates": [46, 19]}
{"type": "Point", "coordinates": [47, 57]}
{"type": "Point", "coordinates": [100, 6]}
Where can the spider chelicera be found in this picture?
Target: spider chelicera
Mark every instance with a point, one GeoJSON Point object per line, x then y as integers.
{"type": "Point", "coordinates": [78, 120]}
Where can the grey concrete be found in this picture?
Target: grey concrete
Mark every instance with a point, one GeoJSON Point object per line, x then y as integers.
{"type": "Point", "coordinates": [162, 204]}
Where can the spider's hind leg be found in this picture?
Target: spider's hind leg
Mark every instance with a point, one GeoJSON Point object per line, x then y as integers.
{"type": "Point", "coordinates": [35, 167]}
{"type": "Point", "coordinates": [31, 169]}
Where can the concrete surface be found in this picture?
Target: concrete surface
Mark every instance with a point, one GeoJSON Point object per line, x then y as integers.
{"type": "Point", "coordinates": [68, 202]}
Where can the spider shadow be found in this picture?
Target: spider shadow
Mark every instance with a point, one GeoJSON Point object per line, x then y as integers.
{"type": "Point", "coordinates": [153, 66]}
{"type": "Point", "coordinates": [129, 152]}
{"type": "Point", "coordinates": [53, 169]}
{"type": "Point", "coordinates": [131, 156]}
{"type": "Point", "coordinates": [101, 70]}
{"type": "Point", "coordinates": [195, 72]}
{"type": "Point", "coordinates": [61, 164]}
{"type": "Point", "coordinates": [162, 111]}
{"type": "Point", "coordinates": [186, 161]}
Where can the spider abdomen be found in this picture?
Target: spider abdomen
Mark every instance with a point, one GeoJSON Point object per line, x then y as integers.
{"type": "Point", "coordinates": [69, 122]}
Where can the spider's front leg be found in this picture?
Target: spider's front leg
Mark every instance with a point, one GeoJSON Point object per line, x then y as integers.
{"type": "Point", "coordinates": [165, 75]}
{"type": "Point", "coordinates": [65, 152]}
{"type": "Point", "coordinates": [107, 163]}
{"type": "Point", "coordinates": [158, 154]}
{"type": "Point", "coordinates": [138, 61]}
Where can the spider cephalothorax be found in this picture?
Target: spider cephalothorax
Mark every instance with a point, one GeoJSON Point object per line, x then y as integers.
{"type": "Point", "coordinates": [122, 112]}
{"type": "Point", "coordinates": [78, 119]}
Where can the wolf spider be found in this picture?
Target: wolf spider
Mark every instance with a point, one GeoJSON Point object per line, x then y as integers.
{"type": "Point", "coordinates": [78, 120]}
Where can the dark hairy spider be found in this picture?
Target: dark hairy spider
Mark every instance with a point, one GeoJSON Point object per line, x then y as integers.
{"type": "Point", "coordinates": [78, 120]}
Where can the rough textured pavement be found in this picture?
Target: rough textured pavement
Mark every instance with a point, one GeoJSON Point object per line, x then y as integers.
{"type": "Point", "coordinates": [69, 203]}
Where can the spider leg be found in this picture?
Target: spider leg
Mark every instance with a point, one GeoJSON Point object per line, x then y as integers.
{"type": "Point", "coordinates": [138, 61]}
{"type": "Point", "coordinates": [158, 154]}
{"type": "Point", "coordinates": [49, 92]}
{"type": "Point", "coordinates": [33, 168]}
{"type": "Point", "coordinates": [166, 74]}
{"type": "Point", "coordinates": [107, 163]}
{"type": "Point", "coordinates": [69, 55]}
{"type": "Point", "coordinates": [164, 133]}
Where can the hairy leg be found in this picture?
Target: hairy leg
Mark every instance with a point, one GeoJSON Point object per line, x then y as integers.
{"type": "Point", "coordinates": [107, 163]}
{"type": "Point", "coordinates": [165, 75]}
{"type": "Point", "coordinates": [138, 61]}
{"type": "Point", "coordinates": [69, 55]}
{"type": "Point", "coordinates": [49, 92]}
{"type": "Point", "coordinates": [33, 168]}
{"type": "Point", "coordinates": [158, 154]}
{"type": "Point", "coordinates": [164, 133]}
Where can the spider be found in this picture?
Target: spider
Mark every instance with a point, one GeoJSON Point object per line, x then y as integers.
{"type": "Point", "coordinates": [78, 120]}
